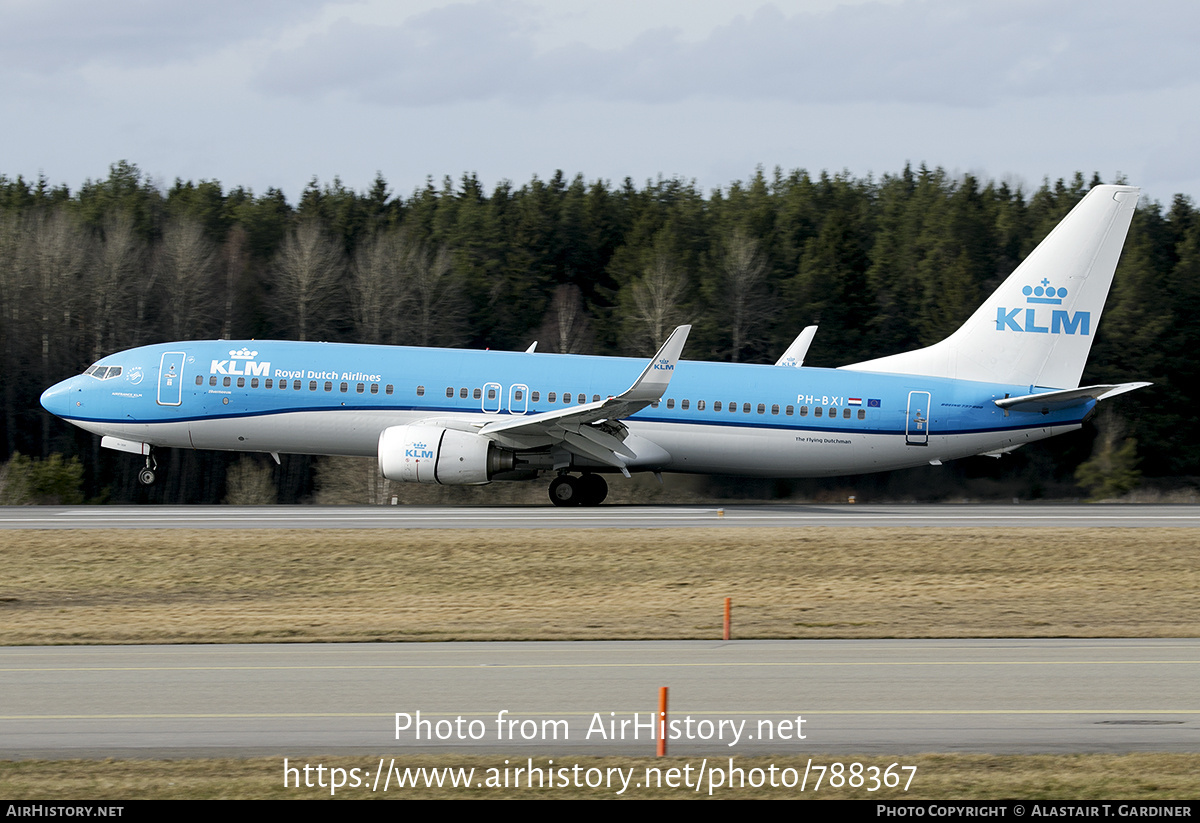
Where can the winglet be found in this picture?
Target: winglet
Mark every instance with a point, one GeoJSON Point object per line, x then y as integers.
{"type": "Point", "coordinates": [795, 354]}
{"type": "Point", "coordinates": [655, 378]}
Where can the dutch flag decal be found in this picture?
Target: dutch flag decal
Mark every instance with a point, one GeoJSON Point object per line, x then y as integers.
{"type": "Point", "coordinates": [855, 401]}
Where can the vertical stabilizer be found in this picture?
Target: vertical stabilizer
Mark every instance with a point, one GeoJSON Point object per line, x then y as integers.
{"type": "Point", "coordinates": [1038, 327]}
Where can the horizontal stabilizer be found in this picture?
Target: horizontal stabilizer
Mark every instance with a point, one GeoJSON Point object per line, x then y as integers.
{"type": "Point", "coordinates": [1055, 400]}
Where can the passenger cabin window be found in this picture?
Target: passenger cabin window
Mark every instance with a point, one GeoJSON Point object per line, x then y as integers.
{"type": "Point", "coordinates": [462, 393]}
{"type": "Point", "coordinates": [241, 382]}
{"type": "Point", "coordinates": [654, 404]}
{"type": "Point", "coordinates": [345, 387]}
{"type": "Point", "coordinates": [199, 380]}
{"type": "Point", "coordinates": [683, 404]}
{"type": "Point", "coordinates": [862, 414]}
{"type": "Point", "coordinates": [312, 385]}
{"type": "Point", "coordinates": [716, 405]}
{"type": "Point", "coordinates": [518, 394]}
{"type": "Point", "coordinates": [846, 413]}
{"type": "Point", "coordinates": [816, 411]}
{"type": "Point", "coordinates": [567, 397]}
{"type": "Point", "coordinates": [595, 398]}
{"type": "Point", "coordinates": [775, 409]}
{"type": "Point", "coordinates": [535, 396]}
{"type": "Point", "coordinates": [328, 385]}
{"type": "Point", "coordinates": [374, 388]}
{"type": "Point", "coordinates": [550, 397]}
{"type": "Point", "coordinates": [212, 381]}
{"type": "Point", "coordinates": [420, 390]}
{"type": "Point", "coordinates": [362, 387]}
{"type": "Point", "coordinates": [670, 402]}
{"type": "Point", "coordinates": [733, 407]}
{"type": "Point", "coordinates": [477, 394]}
{"type": "Point", "coordinates": [491, 394]}
{"type": "Point", "coordinates": [803, 411]}
{"type": "Point", "coordinates": [788, 411]}
{"type": "Point", "coordinates": [449, 391]}
{"type": "Point", "coordinates": [762, 409]}
{"type": "Point", "coordinates": [700, 405]}
{"type": "Point", "coordinates": [254, 382]}
{"type": "Point", "coordinates": [296, 385]}
{"type": "Point", "coordinates": [390, 389]}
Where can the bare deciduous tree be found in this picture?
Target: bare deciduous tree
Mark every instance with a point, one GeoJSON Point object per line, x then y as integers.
{"type": "Point", "coordinates": [378, 287]}
{"type": "Point", "coordinates": [567, 328]}
{"type": "Point", "coordinates": [306, 273]}
{"type": "Point", "coordinates": [744, 274]}
{"type": "Point", "coordinates": [658, 298]}
{"type": "Point", "coordinates": [186, 263]}
{"type": "Point", "coordinates": [113, 286]}
{"type": "Point", "coordinates": [438, 312]}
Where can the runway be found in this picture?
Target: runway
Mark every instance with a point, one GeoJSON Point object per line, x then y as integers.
{"type": "Point", "coordinates": [878, 696]}
{"type": "Point", "coordinates": [625, 517]}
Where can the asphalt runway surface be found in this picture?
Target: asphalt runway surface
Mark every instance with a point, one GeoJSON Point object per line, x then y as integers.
{"type": "Point", "coordinates": [867, 696]}
{"type": "Point", "coordinates": [625, 517]}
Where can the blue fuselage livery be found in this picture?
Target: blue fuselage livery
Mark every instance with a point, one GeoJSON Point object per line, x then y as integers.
{"type": "Point", "coordinates": [1008, 376]}
{"type": "Point", "coordinates": [328, 398]}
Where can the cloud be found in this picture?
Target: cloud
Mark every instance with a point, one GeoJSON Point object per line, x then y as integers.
{"type": "Point", "coordinates": [918, 51]}
{"type": "Point", "coordinates": [49, 36]}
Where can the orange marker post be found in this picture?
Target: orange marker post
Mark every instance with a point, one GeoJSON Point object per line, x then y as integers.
{"type": "Point", "coordinates": [727, 606]}
{"type": "Point", "coordinates": [662, 721]}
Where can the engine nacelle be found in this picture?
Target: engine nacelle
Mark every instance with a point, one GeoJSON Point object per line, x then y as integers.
{"type": "Point", "coordinates": [432, 454]}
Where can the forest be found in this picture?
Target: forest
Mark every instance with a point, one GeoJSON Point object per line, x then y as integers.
{"type": "Point", "coordinates": [882, 265]}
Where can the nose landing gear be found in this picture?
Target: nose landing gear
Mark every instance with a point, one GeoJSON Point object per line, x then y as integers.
{"type": "Point", "coordinates": [146, 475]}
{"type": "Point", "coordinates": [588, 490]}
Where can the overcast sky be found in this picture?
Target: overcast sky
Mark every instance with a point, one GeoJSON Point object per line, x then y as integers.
{"type": "Point", "coordinates": [274, 92]}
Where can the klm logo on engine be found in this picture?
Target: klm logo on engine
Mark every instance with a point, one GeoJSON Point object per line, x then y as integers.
{"type": "Point", "coordinates": [1035, 319]}
{"type": "Point", "coordinates": [241, 362]}
{"type": "Point", "coordinates": [419, 450]}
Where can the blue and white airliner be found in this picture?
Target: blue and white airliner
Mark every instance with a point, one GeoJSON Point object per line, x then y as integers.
{"type": "Point", "coordinates": [1009, 376]}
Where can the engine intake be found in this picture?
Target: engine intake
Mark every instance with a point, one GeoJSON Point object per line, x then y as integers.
{"type": "Point", "coordinates": [432, 454]}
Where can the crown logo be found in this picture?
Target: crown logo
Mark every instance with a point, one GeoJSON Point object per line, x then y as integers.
{"type": "Point", "coordinates": [243, 354]}
{"type": "Point", "coordinates": [1044, 293]}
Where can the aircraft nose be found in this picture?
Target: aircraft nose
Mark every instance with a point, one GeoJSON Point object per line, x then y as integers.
{"type": "Point", "coordinates": [57, 398]}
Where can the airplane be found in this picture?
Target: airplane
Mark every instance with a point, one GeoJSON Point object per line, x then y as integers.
{"type": "Point", "coordinates": [1008, 376]}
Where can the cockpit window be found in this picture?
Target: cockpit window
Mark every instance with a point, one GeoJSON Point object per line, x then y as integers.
{"type": "Point", "coordinates": [104, 372]}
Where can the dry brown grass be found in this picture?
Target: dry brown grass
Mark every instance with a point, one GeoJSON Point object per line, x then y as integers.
{"type": "Point", "coordinates": [210, 586]}
{"type": "Point", "coordinates": [1156, 777]}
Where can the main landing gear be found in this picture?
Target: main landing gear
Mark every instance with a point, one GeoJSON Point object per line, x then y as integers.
{"type": "Point", "coordinates": [588, 490]}
{"type": "Point", "coordinates": [146, 475]}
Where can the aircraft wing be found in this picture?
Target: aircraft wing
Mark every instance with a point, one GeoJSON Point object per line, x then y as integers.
{"type": "Point", "coordinates": [591, 429]}
{"type": "Point", "coordinates": [1065, 398]}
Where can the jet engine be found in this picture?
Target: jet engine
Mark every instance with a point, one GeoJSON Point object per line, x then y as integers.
{"type": "Point", "coordinates": [432, 454]}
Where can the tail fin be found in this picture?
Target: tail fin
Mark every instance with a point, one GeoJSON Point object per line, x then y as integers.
{"type": "Point", "coordinates": [1037, 328]}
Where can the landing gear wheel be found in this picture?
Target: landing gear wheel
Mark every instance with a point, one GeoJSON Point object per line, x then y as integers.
{"type": "Point", "coordinates": [564, 491]}
{"type": "Point", "coordinates": [592, 490]}
{"type": "Point", "coordinates": [146, 475]}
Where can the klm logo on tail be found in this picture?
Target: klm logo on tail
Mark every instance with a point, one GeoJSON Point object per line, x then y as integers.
{"type": "Point", "coordinates": [1059, 322]}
